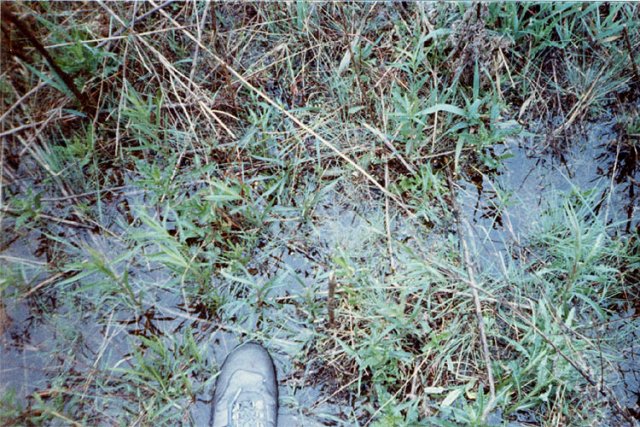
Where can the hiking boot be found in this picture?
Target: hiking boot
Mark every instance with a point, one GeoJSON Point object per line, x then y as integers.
{"type": "Point", "coordinates": [246, 392]}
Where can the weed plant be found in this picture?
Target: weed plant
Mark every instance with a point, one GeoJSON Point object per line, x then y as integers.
{"type": "Point", "coordinates": [180, 200]}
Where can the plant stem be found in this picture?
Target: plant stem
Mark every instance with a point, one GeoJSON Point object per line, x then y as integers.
{"type": "Point", "coordinates": [82, 98]}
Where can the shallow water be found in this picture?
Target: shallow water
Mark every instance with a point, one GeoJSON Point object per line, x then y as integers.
{"type": "Point", "coordinates": [286, 262]}
{"type": "Point", "coordinates": [291, 267]}
{"type": "Point", "coordinates": [505, 207]}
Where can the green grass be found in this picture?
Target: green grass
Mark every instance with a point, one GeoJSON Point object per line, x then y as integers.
{"type": "Point", "coordinates": [193, 206]}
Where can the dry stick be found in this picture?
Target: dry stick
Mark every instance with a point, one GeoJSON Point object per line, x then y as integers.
{"type": "Point", "coordinates": [66, 79]}
{"type": "Point", "coordinates": [331, 300]}
{"type": "Point", "coordinates": [387, 220]}
{"type": "Point", "coordinates": [293, 118]}
{"type": "Point", "coordinates": [1, 175]}
{"type": "Point", "coordinates": [474, 288]}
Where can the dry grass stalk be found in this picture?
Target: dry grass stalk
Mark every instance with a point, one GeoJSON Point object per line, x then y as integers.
{"type": "Point", "coordinates": [474, 289]}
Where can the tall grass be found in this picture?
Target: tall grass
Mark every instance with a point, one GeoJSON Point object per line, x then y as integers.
{"type": "Point", "coordinates": [251, 168]}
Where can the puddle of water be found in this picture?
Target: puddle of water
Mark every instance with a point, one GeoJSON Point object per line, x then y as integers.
{"type": "Point", "coordinates": [626, 377]}
{"type": "Point", "coordinates": [22, 346]}
{"type": "Point", "coordinates": [504, 208]}
{"type": "Point", "coordinates": [526, 183]}
{"type": "Point", "coordinates": [23, 338]}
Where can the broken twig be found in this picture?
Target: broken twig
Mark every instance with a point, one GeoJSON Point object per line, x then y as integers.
{"type": "Point", "coordinates": [474, 288]}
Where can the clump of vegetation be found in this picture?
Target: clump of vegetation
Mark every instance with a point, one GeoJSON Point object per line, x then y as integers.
{"type": "Point", "coordinates": [174, 174]}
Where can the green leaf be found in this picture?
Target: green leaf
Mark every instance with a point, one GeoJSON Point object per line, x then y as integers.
{"type": "Point", "coordinates": [355, 109]}
{"type": "Point", "coordinates": [451, 397]}
{"type": "Point", "coordinates": [443, 107]}
{"type": "Point", "coordinates": [459, 145]}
